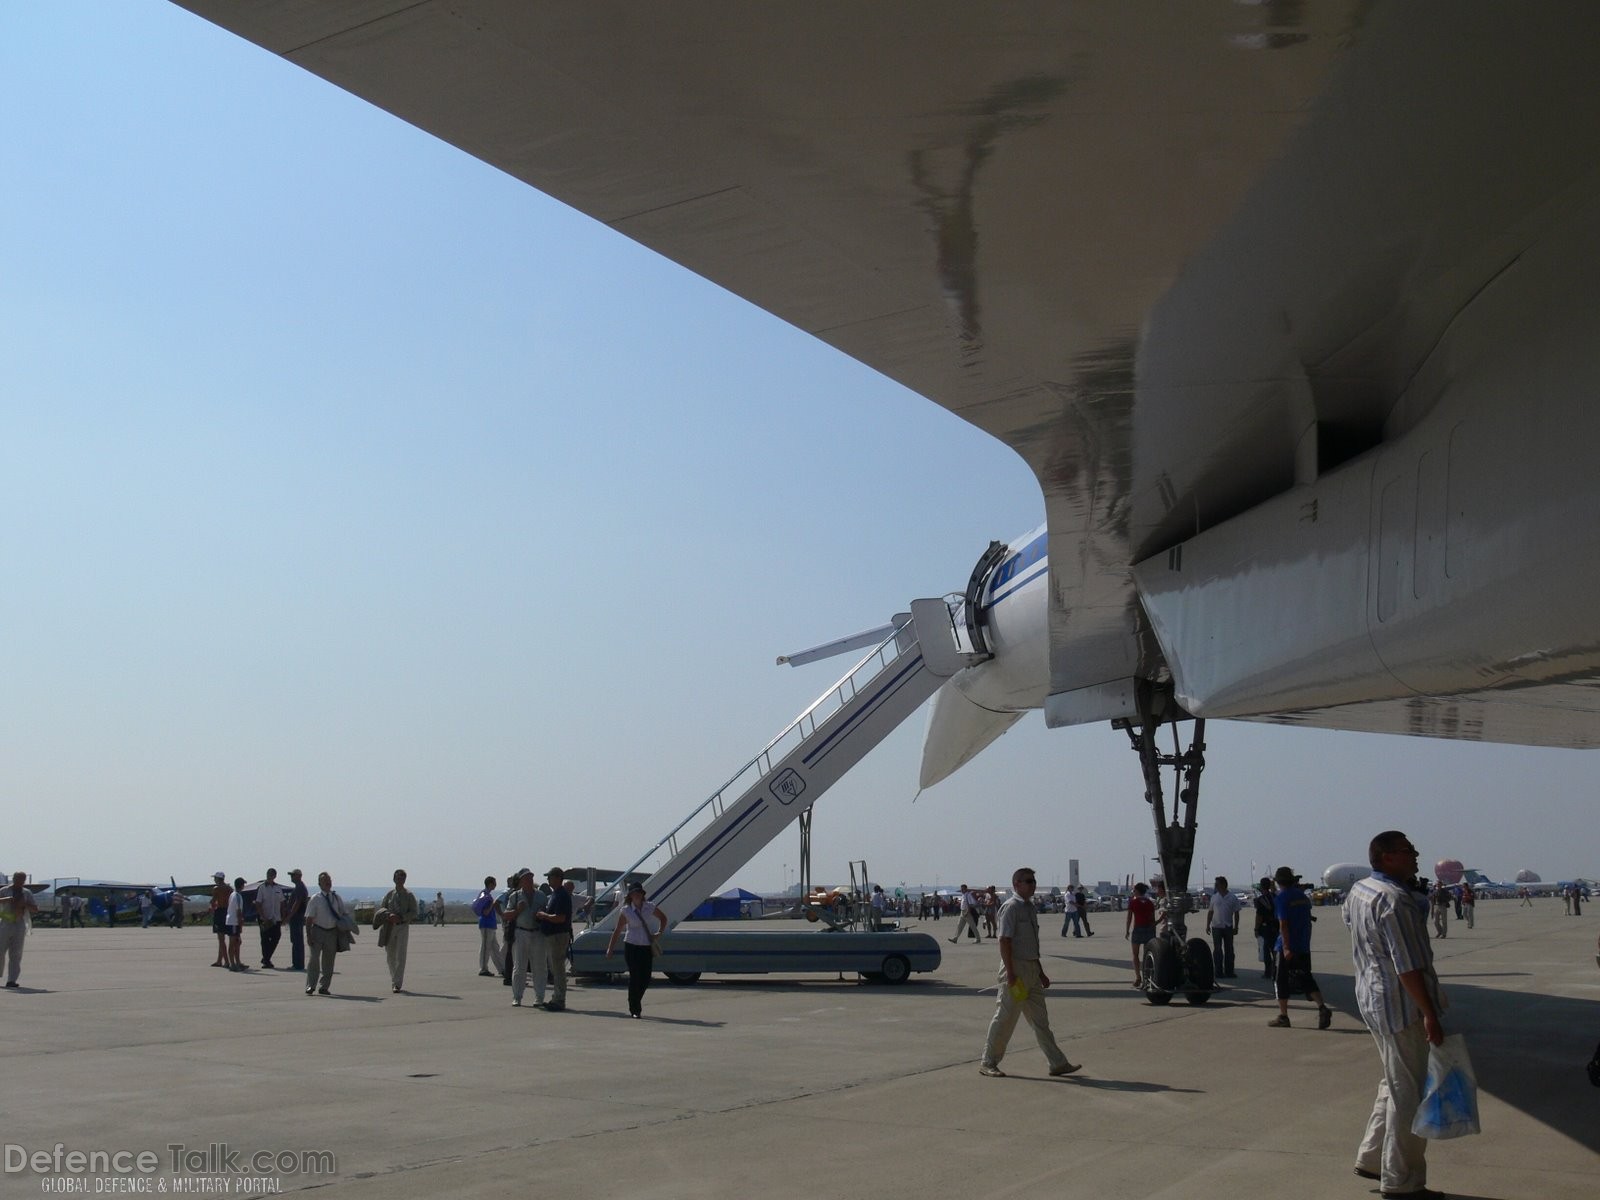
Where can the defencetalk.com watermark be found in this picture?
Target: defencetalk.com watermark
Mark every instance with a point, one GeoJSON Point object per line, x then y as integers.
{"type": "Point", "coordinates": [217, 1169]}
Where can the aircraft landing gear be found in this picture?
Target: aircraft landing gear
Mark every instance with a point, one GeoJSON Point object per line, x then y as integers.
{"type": "Point", "coordinates": [1173, 962]}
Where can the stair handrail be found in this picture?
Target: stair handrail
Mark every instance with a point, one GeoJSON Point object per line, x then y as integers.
{"type": "Point", "coordinates": [763, 761]}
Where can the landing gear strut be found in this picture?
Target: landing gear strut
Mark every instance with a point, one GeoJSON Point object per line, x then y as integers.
{"type": "Point", "coordinates": [1171, 963]}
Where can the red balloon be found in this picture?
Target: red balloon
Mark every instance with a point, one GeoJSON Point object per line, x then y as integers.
{"type": "Point", "coordinates": [1448, 871]}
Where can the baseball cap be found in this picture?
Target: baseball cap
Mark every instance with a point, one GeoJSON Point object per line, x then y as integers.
{"type": "Point", "coordinates": [219, 875]}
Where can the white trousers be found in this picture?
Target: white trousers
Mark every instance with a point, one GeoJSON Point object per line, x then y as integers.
{"type": "Point", "coordinates": [489, 950]}
{"type": "Point", "coordinates": [1389, 1147]}
{"type": "Point", "coordinates": [12, 935]}
{"type": "Point", "coordinates": [523, 958]}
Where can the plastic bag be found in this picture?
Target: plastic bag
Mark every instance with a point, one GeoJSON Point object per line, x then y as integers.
{"type": "Point", "coordinates": [1449, 1107]}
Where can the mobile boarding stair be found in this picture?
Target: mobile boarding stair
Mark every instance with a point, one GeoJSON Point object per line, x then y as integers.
{"type": "Point", "coordinates": [782, 782]}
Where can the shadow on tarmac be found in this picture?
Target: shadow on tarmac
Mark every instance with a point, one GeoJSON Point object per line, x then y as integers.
{"type": "Point", "coordinates": [611, 1013]}
{"type": "Point", "coordinates": [1529, 1050]}
{"type": "Point", "coordinates": [1119, 1085]}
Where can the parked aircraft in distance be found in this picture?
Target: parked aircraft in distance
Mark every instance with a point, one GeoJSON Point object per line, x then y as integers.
{"type": "Point", "coordinates": [1307, 390]}
{"type": "Point", "coordinates": [1344, 875]}
{"type": "Point", "coordinates": [103, 894]}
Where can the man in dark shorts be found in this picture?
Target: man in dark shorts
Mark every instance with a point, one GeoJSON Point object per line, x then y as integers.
{"type": "Point", "coordinates": [1294, 950]}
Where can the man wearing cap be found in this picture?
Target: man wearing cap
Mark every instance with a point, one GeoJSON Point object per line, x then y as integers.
{"type": "Point", "coordinates": [295, 916]}
{"type": "Point", "coordinates": [550, 947]}
{"type": "Point", "coordinates": [1022, 981]}
{"type": "Point", "coordinates": [1293, 908]}
{"type": "Point", "coordinates": [1400, 1001]}
{"type": "Point", "coordinates": [269, 916]}
{"type": "Point", "coordinates": [523, 910]}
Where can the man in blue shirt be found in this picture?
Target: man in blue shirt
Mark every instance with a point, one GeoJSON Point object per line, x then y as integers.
{"type": "Point", "coordinates": [488, 929]}
{"type": "Point", "coordinates": [1294, 950]}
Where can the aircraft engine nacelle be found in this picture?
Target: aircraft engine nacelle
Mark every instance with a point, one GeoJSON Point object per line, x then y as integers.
{"type": "Point", "coordinates": [1456, 557]}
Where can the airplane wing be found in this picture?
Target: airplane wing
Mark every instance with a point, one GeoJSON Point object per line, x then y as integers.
{"type": "Point", "coordinates": [104, 887]}
{"type": "Point", "coordinates": [1183, 258]}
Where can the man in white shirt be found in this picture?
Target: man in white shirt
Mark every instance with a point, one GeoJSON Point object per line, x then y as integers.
{"type": "Point", "coordinates": [1398, 993]}
{"type": "Point", "coordinates": [325, 912]}
{"type": "Point", "coordinates": [1222, 922]}
{"type": "Point", "coordinates": [1074, 916]}
{"type": "Point", "coordinates": [523, 911]}
{"type": "Point", "coordinates": [969, 917]}
{"type": "Point", "coordinates": [269, 915]}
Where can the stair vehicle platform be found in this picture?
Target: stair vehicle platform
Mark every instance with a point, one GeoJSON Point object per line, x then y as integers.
{"type": "Point", "coordinates": [687, 954]}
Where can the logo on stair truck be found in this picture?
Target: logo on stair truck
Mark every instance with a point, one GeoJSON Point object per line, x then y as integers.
{"type": "Point", "coordinates": [787, 786]}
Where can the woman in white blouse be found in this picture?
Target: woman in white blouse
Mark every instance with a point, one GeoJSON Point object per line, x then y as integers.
{"type": "Point", "coordinates": [633, 923]}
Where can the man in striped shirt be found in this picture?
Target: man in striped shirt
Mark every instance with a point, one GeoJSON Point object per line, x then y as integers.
{"type": "Point", "coordinates": [1398, 994]}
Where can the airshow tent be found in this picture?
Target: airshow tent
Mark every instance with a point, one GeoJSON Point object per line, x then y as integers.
{"type": "Point", "coordinates": [729, 906]}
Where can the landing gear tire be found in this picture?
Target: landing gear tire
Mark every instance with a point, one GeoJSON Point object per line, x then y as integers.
{"type": "Point", "coordinates": [1196, 999]}
{"type": "Point", "coordinates": [682, 978]}
{"type": "Point", "coordinates": [1158, 998]}
{"type": "Point", "coordinates": [895, 969]}
{"type": "Point", "coordinates": [1161, 965]}
{"type": "Point", "coordinates": [1199, 966]}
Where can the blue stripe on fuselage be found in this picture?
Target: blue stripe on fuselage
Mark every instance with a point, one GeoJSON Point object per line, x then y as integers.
{"type": "Point", "coordinates": [1015, 572]}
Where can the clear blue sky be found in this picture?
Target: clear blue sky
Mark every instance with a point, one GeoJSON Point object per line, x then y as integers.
{"type": "Point", "coordinates": [361, 507]}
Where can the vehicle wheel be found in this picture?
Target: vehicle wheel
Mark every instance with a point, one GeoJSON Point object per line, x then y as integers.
{"type": "Point", "coordinates": [1197, 998]}
{"type": "Point", "coordinates": [1161, 966]}
{"type": "Point", "coordinates": [1159, 998]}
{"type": "Point", "coordinates": [896, 969]}
{"type": "Point", "coordinates": [682, 977]}
{"type": "Point", "coordinates": [1199, 966]}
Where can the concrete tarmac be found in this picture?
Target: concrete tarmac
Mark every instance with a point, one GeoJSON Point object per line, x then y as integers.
{"type": "Point", "coordinates": [127, 1040]}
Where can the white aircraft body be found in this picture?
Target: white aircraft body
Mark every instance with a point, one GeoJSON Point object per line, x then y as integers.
{"type": "Point", "coordinates": [1291, 309]}
{"type": "Point", "coordinates": [1344, 875]}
